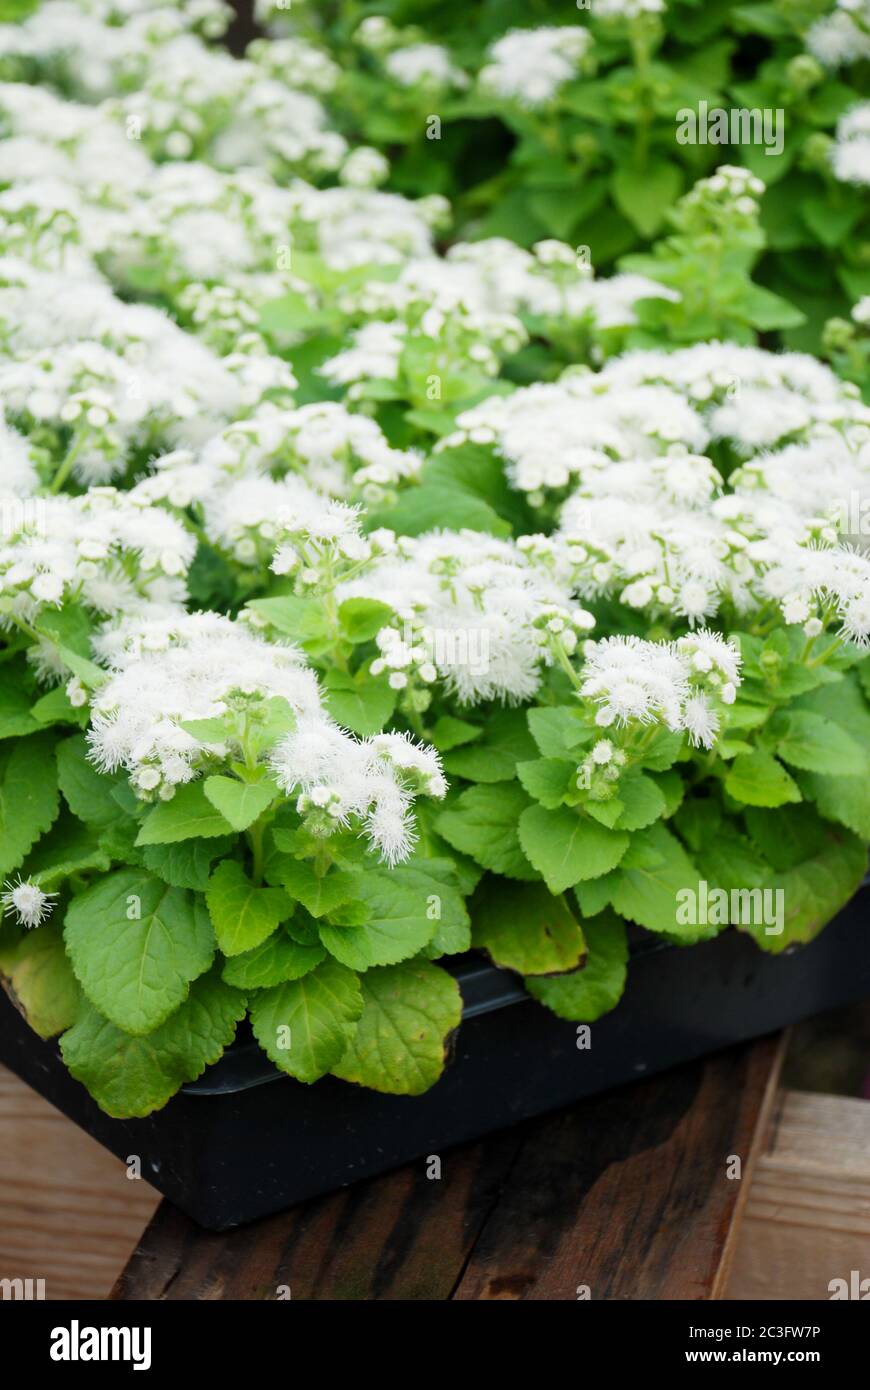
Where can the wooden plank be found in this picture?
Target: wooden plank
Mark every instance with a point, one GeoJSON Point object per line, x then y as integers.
{"type": "Point", "coordinates": [807, 1218]}
{"type": "Point", "coordinates": [628, 1195]}
{"type": "Point", "coordinates": [68, 1212]}
{"type": "Point", "coordinates": [400, 1236]}
{"type": "Point", "coordinates": [626, 1192]}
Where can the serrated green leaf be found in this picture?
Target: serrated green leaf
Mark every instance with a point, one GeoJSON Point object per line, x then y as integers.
{"type": "Point", "coordinates": [132, 1076]}
{"type": "Point", "coordinates": [642, 800]}
{"type": "Point", "coordinates": [812, 893]}
{"type": "Point", "coordinates": [38, 976]}
{"type": "Point", "coordinates": [506, 741]}
{"type": "Point", "coordinates": [16, 698]}
{"type": "Point", "coordinates": [135, 947]}
{"type": "Point", "coordinates": [362, 703]}
{"type": "Point", "coordinates": [565, 847]}
{"type": "Point", "coordinates": [757, 779]}
{"type": "Point", "coordinates": [548, 780]}
{"type": "Point", "coordinates": [648, 882]}
{"type": "Point", "coordinates": [361, 619]}
{"type": "Point", "coordinates": [815, 744]}
{"type": "Point", "coordinates": [483, 823]}
{"type": "Point", "coordinates": [523, 927]}
{"type": "Point", "coordinates": [240, 803]}
{"type": "Point", "coordinates": [401, 916]}
{"type": "Point", "coordinates": [558, 732]}
{"type": "Point", "coordinates": [275, 960]}
{"type": "Point", "coordinates": [186, 864]}
{"type": "Point", "coordinates": [242, 915]}
{"type": "Point", "coordinates": [585, 994]}
{"type": "Point", "coordinates": [29, 801]}
{"type": "Point", "coordinates": [400, 1044]}
{"type": "Point", "coordinates": [304, 1026]}
{"type": "Point", "coordinates": [87, 792]}
{"type": "Point", "coordinates": [189, 815]}
{"type": "Point", "coordinates": [319, 894]}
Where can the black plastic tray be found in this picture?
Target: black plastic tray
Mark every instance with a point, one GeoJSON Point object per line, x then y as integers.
{"type": "Point", "coordinates": [245, 1140]}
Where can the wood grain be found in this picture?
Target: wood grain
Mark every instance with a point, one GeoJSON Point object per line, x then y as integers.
{"type": "Point", "coordinates": [807, 1218]}
{"type": "Point", "coordinates": [68, 1212]}
{"type": "Point", "coordinates": [626, 1193]}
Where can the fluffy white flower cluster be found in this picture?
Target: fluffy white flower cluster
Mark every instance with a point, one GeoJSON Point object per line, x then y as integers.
{"type": "Point", "coordinates": [168, 671]}
{"type": "Point", "coordinates": [843, 36]}
{"type": "Point", "coordinates": [529, 66]}
{"type": "Point", "coordinates": [476, 612]}
{"type": "Point", "coordinates": [24, 900]}
{"type": "Point", "coordinates": [642, 403]}
{"type": "Point", "coordinates": [108, 550]}
{"type": "Point", "coordinates": [678, 684]}
{"type": "Point", "coordinates": [550, 434]}
{"type": "Point", "coordinates": [477, 301]}
{"type": "Point", "coordinates": [372, 781]}
{"type": "Point", "coordinates": [850, 155]}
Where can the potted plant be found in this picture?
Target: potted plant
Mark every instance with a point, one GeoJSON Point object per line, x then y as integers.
{"type": "Point", "coordinates": [405, 657]}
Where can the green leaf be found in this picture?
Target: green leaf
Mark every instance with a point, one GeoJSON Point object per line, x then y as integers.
{"type": "Point", "coordinates": [240, 803]}
{"type": "Point", "coordinates": [400, 1045]}
{"type": "Point", "coordinates": [362, 703]}
{"type": "Point", "coordinates": [757, 779]}
{"type": "Point", "coordinates": [584, 995]}
{"type": "Point", "coordinates": [16, 698]}
{"type": "Point", "coordinates": [242, 915]}
{"type": "Point", "coordinates": [842, 799]}
{"type": "Point", "coordinates": [68, 848]}
{"type": "Point", "coordinates": [644, 196]}
{"type": "Point", "coordinates": [135, 946]}
{"type": "Point", "coordinates": [29, 800]}
{"type": "Point", "coordinates": [275, 960]}
{"type": "Point", "coordinates": [401, 908]}
{"type": "Point", "coordinates": [810, 742]}
{"type": "Point", "coordinates": [643, 802]}
{"type": "Point", "coordinates": [566, 848]}
{"type": "Point", "coordinates": [506, 741]}
{"type": "Point", "coordinates": [548, 780]}
{"type": "Point", "coordinates": [319, 894]}
{"type": "Point", "coordinates": [132, 1076]}
{"type": "Point", "coordinates": [558, 731]}
{"type": "Point", "coordinates": [483, 823]}
{"type": "Point", "coordinates": [304, 1026]}
{"type": "Point", "coordinates": [189, 815]}
{"type": "Point", "coordinates": [361, 619]}
{"type": "Point", "coordinates": [524, 928]}
{"type": "Point", "coordinates": [812, 892]}
{"type": "Point", "coordinates": [654, 872]}
{"type": "Point", "coordinates": [56, 708]}
{"type": "Point", "coordinates": [88, 793]}
{"type": "Point", "coordinates": [186, 864]}
{"type": "Point", "coordinates": [303, 619]}
{"type": "Point", "coordinates": [38, 977]}
{"type": "Point", "coordinates": [453, 733]}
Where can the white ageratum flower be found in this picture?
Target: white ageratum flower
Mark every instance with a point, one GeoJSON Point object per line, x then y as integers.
{"type": "Point", "coordinates": [425, 65]}
{"type": "Point", "coordinates": [482, 613]}
{"type": "Point", "coordinates": [529, 66]}
{"type": "Point", "coordinates": [371, 781]}
{"type": "Point", "coordinates": [108, 550]}
{"type": "Point", "coordinates": [850, 155]}
{"type": "Point", "coordinates": [638, 682]}
{"type": "Point", "coordinates": [27, 902]}
{"type": "Point", "coordinates": [171, 668]}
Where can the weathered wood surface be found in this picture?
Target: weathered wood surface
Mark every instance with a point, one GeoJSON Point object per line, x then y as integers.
{"type": "Point", "coordinates": [807, 1218]}
{"type": "Point", "coordinates": [627, 1194]}
{"type": "Point", "coordinates": [68, 1212]}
